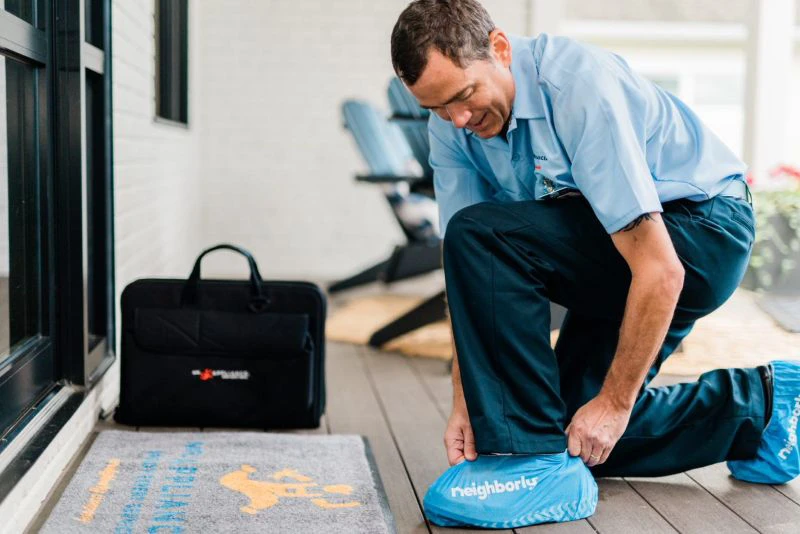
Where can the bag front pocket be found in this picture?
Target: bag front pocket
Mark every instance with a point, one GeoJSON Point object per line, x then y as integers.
{"type": "Point", "coordinates": [209, 368]}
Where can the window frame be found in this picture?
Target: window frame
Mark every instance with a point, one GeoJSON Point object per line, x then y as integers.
{"type": "Point", "coordinates": [55, 42]}
{"type": "Point", "coordinates": [172, 62]}
{"type": "Point", "coordinates": [28, 374]}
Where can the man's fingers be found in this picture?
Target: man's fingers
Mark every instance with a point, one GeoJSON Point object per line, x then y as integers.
{"type": "Point", "coordinates": [596, 457]}
{"type": "Point", "coordinates": [455, 451]}
{"type": "Point", "coordinates": [454, 457]}
{"type": "Point", "coordinates": [573, 444]}
{"type": "Point", "coordinates": [606, 454]}
{"type": "Point", "coordinates": [600, 453]}
{"type": "Point", "coordinates": [586, 449]}
{"type": "Point", "coordinates": [469, 444]}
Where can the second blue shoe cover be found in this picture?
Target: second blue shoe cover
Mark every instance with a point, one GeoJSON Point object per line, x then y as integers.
{"type": "Point", "coordinates": [506, 491]}
{"type": "Point", "coordinates": [778, 458]}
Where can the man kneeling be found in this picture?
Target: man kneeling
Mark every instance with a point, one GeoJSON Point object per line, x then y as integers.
{"type": "Point", "coordinates": [562, 175]}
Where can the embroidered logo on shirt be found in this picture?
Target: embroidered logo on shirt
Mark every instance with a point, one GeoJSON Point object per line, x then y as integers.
{"type": "Point", "coordinates": [540, 158]}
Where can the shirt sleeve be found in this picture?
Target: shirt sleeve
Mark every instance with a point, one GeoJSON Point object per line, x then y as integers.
{"type": "Point", "coordinates": [601, 124]}
{"type": "Point", "coordinates": [456, 182]}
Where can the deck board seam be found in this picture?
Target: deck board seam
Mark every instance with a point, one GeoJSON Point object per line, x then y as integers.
{"type": "Point", "coordinates": [722, 502]}
{"type": "Point", "coordinates": [674, 527]}
{"type": "Point", "coordinates": [589, 521]}
{"type": "Point", "coordinates": [797, 502]}
{"type": "Point", "coordinates": [431, 396]}
{"type": "Point", "coordinates": [362, 353]}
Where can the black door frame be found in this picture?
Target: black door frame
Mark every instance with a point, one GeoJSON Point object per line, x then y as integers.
{"type": "Point", "coordinates": [29, 373]}
{"type": "Point", "coordinates": [55, 42]}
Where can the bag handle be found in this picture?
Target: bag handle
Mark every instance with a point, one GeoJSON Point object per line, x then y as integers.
{"type": "Point", "coordinates": [258, 300]}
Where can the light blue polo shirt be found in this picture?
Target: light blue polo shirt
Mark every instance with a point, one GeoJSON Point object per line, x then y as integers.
{"type": "Point", "coordinates": [582, 119]}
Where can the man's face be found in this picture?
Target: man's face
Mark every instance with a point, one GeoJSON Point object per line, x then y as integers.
{"type": "Point", "coordinates": [478, 97]}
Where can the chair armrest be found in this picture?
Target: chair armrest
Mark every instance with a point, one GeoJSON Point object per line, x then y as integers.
{"type": "Point", "coordinates": [404, 118]}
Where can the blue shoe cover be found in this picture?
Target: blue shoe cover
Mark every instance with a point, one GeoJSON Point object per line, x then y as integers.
{"type": "Point", "coordinates": [778, 458]}
{"type": "Point", "coordinates": [505, 491]}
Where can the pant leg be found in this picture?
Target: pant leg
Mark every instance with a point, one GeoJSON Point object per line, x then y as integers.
{"type": "Point", "coordinates": [585, 348]}
{"type": "Point", "coordinates": [719, 417]}
{"type": "Point", "coordinates": [500, 312]}
{"type": "Point", "coordinates": [672, 428]}
{"type": "Point", "coordinates": [503, 262]}
{"type": "Point", "coordinates": [675, 428]}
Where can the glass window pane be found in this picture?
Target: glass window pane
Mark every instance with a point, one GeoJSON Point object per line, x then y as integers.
{"type": "Point", "coordinates": [93, 11]}
{"type": "Point", "coordinates": [719, 90]}
{"type": "Point", "coordinates": [172, 60]}
{"type": "Point", "coordinates": [97, 272]}
{"type": "Point", "coordinates": [20, 212]}
{"type": "Point", "coordinates": [22, 8]}
{"type": "Point", "coordinates": [667, 83]}
{"type": "Point", "coordinates": [659, 10]}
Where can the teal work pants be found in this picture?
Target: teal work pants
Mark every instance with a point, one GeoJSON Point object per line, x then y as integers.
{"type": "Point", "coordinates": [505, 262]}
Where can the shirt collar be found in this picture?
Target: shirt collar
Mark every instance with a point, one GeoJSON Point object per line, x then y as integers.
{"type": "Point", "coordinates": [527, 97]}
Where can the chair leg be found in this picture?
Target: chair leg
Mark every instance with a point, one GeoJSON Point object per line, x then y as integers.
{"type": "Point", "coordinates": [366, 276]}
{"type": "Point", "coordinates": [430, 311]}
{"type": "Point", "coordinates": [412, 259]}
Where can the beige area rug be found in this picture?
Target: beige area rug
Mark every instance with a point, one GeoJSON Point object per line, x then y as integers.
{"type": "Point", "coordinates": [738, 334]}
{"type": "Point", "coordinates": [357, 320]}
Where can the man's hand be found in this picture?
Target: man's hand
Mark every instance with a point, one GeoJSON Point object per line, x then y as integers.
{"type": "Point", "coordinates": [595, 429]}
{"type": "Point", "coordinates": [458, 438]}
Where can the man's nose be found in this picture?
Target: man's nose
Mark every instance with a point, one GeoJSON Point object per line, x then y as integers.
{"type": "Point", "coordinates": [460, 115]}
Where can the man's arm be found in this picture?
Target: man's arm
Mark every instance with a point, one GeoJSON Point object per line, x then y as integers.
{"type": "Point", "coordinates": [656, 283]}
{"type": "Point", "coordinates": [456, 182]}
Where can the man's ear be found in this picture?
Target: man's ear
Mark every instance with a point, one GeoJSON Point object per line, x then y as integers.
{"type": "Point", "coordinates": [500, 47]}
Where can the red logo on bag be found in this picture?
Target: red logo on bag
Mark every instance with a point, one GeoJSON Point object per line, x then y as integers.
{"type": "Point", "coordinates": [221, 374]}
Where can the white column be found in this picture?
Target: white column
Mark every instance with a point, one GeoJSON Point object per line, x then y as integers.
{"type": "Point", "coordinates": [544, 16]}
{"type": "Point", "coordinates": [770, 46]}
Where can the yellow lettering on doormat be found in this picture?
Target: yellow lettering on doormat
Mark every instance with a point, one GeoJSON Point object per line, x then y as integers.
{"type": "Point", "coordinates": [99, 491]}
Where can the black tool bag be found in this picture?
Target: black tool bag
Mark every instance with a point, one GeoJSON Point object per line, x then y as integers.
{"type": "Point", "coordinates": [232, 353]}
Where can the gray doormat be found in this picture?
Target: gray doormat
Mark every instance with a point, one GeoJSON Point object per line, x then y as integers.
{"type": "Point", "coordinates": [784, 309]}
{"type": "Point", "coordinates": [154, 482]}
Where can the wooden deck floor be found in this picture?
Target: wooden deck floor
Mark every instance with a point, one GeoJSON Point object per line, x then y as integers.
{"type": "Point", "coordinates": [401, 405]}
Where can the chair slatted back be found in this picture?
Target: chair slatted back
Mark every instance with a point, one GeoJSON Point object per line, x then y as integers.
{"type": "Point", "coordinates": [381, 143]}
{"type": "Point", "coordinates": [403, 103]}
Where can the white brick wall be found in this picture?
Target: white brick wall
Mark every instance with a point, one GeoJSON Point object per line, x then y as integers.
{"type": "Point", "coordinates": [156, 166]}
{"type": "Point", "coordinates": [277, 165]}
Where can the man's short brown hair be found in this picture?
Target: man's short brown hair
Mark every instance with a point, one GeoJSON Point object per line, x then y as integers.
{"type": "Point", "coordinates": [459, 29]}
